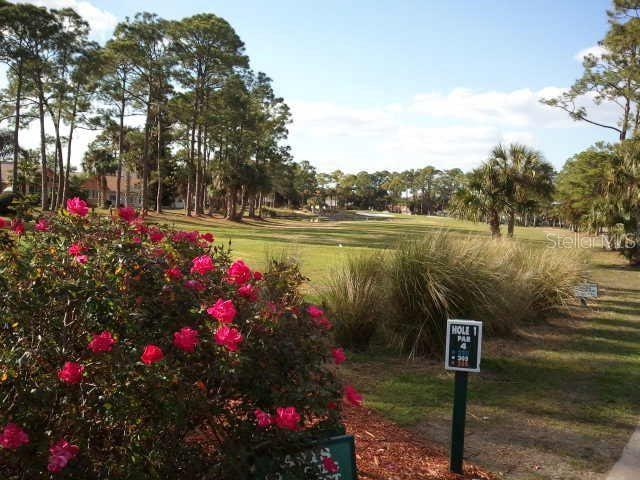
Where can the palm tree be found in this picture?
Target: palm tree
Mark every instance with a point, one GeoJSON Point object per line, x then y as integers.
{"type": "Point", "coordinates": [482, 198]}
{"type": "Point", "coordinates": [513, 180]}
{"type": "Point", "coordinates": [527, 178]}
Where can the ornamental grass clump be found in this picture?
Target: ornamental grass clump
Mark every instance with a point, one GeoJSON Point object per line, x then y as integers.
{"type": "Point", "coordinates": [133, 351]}
{"type": "Point", "coordinates": [422, 282]}
{"type": "Point", "coordinates": [355, 295]}
{"type": "Point", "coordinates": [428, 281]}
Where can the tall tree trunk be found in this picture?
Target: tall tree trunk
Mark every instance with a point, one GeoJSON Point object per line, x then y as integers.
{"type": "Point", "coordinates": [16, 129]}
{"type": "Point", "coordinates": [205, 169]}
{"type": "Point", "coordinates": [251, 200]}
{"type": "Point", "coordinates": [159, 164]}
{"type": "Point", "coordinates": [232, 200]}
{"type": "Point", "coordinates": [60, 188]}
{"type": "Point", "coordinates": [494, 224]}
{"type": "Point", "coordinates": [187, 200]}
{"type": "Point", "coordinates": [52, 203]}
{"type": "Point", "coordinates": [44, 190]}
{"type": "Point", "coordinates": [511, 224]}
{"type": "Point", "coordinates": [145, 159]}
{"type": "Point", "coordinates": [127, 188]}
{"type": "Point", "coordinates": [72, 125]}
{"type": "Point", "coordinates": [198, 205]}
{"type": "Point", "coordinates": [120, 146]}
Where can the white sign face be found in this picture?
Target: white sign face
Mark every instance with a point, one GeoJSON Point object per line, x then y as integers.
{"type": "Point", "coordinates": [463, 345]}
{"type": "Point", "coordinates": [586, 290]}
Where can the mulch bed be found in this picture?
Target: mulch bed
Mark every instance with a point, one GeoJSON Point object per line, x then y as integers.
{"type": "Point", "coordinates": [385, 451]}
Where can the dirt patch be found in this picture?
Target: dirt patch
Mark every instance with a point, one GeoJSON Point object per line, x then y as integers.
{"type": "Point", "coordinates": [521, 449]}
{"type": "Point", "coordinates": [385, 451]}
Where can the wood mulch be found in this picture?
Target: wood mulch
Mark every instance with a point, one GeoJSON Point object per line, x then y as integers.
{"type": "Point", "coordinates": [384, 451]}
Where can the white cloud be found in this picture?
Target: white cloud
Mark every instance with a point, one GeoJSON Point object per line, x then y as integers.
{"type": "Point", "coordinates": [454, 129]}
{"type": "Point", "coordinates": [595, 50]}
{"type": "Point", "coordinates": [101, 21]}
{"type": "Point", "coordinates": [324, 119]}
{"type": "Point", "coordinates": [517, 108]}
{"type": "Point", "coordinates": [442, 147]}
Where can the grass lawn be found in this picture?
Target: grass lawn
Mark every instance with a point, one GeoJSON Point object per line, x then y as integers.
{"type": "Point", "coordinates": [557, 401]}
{"type": "Point", "coordinates": [321, 246]}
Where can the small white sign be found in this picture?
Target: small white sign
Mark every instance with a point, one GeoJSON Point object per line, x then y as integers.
{"type": "Point", "coordinates": [586, 290]}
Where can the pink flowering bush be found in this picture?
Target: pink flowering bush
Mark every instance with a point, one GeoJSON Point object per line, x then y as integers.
{"type": "Point", "coordinates": [134, 351]}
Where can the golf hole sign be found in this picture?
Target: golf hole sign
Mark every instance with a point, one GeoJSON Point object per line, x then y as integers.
{"type": "Point", "coordinates": [463, 345]}
{"type": "Point", "coordinates": [586, 290]}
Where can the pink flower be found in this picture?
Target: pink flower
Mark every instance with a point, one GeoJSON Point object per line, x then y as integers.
{"type": "Point", "coordinates": [102, 342]}
{"type": "Point", "coordinates": [128, 214]}
{"type": "Point", "coordinates": [13, 437]}
{"type": "Point", "coordinates": [186, 339]}
{"type": "Point", "coordinates": [82, 259]}
{"type": "Point", "coordinates": [208, 237]}
{"type": "Point", "coordinates": [76, 206]}
{"type": "Point", "coordinates": [257, 276]}
{"type": "Point", "coordinates": [338, 355]}
{"type": "Point", "coordinates": [173, 273]}
{"type": "Point", "coordinates": [263, 418]}
{"type": "Point", "coordinates": [75, 249]}
{"type": "Point", "coordinates": [17, 226]}
{"type": "Point", "coordinates": [151, 354]}
{"type": "Point", "coordinates": [190, 237]}
{"type": "Point", "coordinates": [202, 264]}
{"type": "Point", "coordinates": [136, 239]}
{"type": "Point", "coordinates": [223, 310]}
{"type": "Point", "coordinates": [42, 225]}
{"type": "Point", "coordinates": [139, 226]}
{"type": "Point", "coordinates": [287, 418]}
{"type": "Point", "coordinates": [238, 273]}
{"type": "Point", "coordinates": [155, 235]}
{"type": "Point", "coordinates": [323, 322]}
{"type": "Point", "coordinates": [229, 337]}
{"type": "Point", "coordinates": [71, 372]}
{"type": "Point", "coordinates": [350, 395]}
{"type": "Point", "coordinates": [61, 453]}
{"type": "Point", "coordinates": [195, 285]}
{"type": "Point", "coordinates": [3, 222]}
{"type": "Point", "coordinates": [330, 465]}
{"type": "Point", "coordinates": [248, 291]}
{"type": "Point", "coordinates": [314, 311]}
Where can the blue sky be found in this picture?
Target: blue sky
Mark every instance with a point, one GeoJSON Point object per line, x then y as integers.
{"type": "Point", "coordinates": [402, 84]}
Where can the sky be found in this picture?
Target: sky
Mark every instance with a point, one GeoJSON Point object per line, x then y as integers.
{"type": "Point", "coordinates": [394, 85]}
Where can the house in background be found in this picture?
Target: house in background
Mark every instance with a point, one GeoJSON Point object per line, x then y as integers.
{"type": "Point", "coordinates": [101, 190]}
{"type": "Point", "coordinates": [28, 182]}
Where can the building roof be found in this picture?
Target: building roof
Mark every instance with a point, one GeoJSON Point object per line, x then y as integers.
{"type": "Point", "coordinates": [93, 183]}
{"type": "Point", "coordinates": [7, 170]}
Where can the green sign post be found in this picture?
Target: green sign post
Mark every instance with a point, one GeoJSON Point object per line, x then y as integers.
{"type": "Point", "coordinates": [462, 355]}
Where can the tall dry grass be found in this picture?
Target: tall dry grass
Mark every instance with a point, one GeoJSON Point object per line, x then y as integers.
{"type": "Point", "coordinates": [355, 296]}
{"type": "Point", "coordinates": [424, 281]}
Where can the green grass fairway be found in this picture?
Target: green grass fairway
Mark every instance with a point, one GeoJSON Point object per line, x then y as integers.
{"type": "Point", "coordinates": [558, 401]}
{"type": "Point", "coordinates": [320, 246]}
